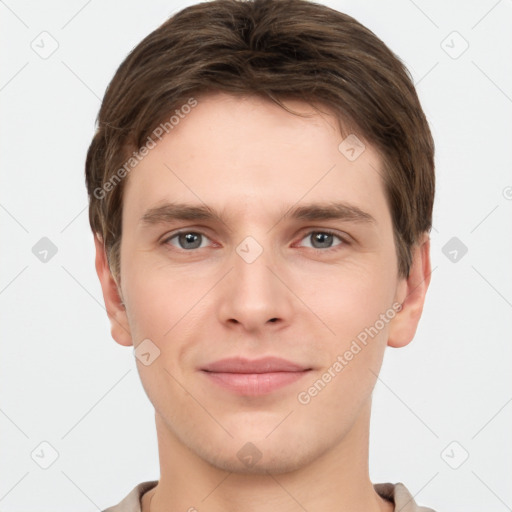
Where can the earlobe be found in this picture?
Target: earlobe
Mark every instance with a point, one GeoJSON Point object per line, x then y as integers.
{"type": "Point", "coordinates": [411, 294]}
{"type": "Point", "coordinates": [119, 326]}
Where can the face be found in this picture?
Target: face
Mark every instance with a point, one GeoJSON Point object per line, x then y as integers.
{"type": "Point", "coordinates": [259, 262]}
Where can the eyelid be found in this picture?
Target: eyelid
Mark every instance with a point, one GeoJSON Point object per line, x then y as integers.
{"type": "Point", "coordinates": [344, 237]}
{"type": "Point", "coordinates": [166, 238]}
{"type": "Point", "coordinates": [331, 231]}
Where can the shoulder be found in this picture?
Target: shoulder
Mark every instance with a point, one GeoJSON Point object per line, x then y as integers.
{"type": "Point", "coordinates": [400, 496]}
{"type": "Point", "coordinates": [131, 502]}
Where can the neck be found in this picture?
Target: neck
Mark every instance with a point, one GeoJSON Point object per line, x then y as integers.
{"type": "Point", "coordinates": [335, 480]}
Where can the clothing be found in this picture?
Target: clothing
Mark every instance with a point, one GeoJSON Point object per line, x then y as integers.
{"type": "Point", "coordinates": [396, 493]}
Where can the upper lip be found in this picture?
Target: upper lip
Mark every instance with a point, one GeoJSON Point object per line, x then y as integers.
{"type": "Point", "coordinates": [263, 365]}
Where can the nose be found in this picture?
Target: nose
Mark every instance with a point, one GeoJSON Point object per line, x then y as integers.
{"type": "Point", "coordinates": [254, 296]}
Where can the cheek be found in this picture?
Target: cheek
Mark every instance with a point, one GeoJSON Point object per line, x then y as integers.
{"type": "Point", "coordinates": [157, 298]}
{"type": "Point", "coordinates": [332, 397]}
{"type": "Point", "coordinates": [355, 297]}
{"type": "Point", "coordinates": [167, 308]}
{"type": "Point", "coordinates": [358, 309]}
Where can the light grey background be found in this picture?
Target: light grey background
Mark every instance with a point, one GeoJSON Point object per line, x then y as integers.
{"type": "Point", "coordinates": [64, 381]}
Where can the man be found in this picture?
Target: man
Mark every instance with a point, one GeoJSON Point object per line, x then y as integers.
{"type": "Point", "coordinates": [261, 187]}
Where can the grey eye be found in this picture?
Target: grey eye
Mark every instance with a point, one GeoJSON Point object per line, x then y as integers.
{"type": "Point", "coordinates": [187, 240]}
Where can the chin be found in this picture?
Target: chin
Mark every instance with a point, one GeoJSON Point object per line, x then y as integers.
{"type": "Point", "coordinates": [259, 458]}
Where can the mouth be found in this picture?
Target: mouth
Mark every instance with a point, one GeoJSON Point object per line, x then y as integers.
{"type": "Point", "coordinates": [254, 377]}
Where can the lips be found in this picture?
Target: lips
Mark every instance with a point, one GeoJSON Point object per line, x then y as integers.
{"type": "Point", "coordinates": [263, 365]}
{"type": "Point", "coordinates": [254, 376]}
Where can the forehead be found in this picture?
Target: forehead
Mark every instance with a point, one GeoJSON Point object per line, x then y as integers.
{"type": "Point", "coordinates": [249, 154]}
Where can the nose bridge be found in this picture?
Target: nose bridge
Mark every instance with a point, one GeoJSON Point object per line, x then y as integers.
{"type": "Point", "coordinates": [252, 295]}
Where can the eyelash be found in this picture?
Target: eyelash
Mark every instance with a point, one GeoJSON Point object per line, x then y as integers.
{"type": "Point", "coordinates": [343, 240]}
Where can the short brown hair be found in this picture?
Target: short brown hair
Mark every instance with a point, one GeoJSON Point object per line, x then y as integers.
{"type": "Point", "coordinates": [276, 49]}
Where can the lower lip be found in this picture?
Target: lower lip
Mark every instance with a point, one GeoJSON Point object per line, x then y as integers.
{"type": "Point", "coordinates": [254, 384]}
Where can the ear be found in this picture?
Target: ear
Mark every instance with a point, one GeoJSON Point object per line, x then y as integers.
{"type": "Point", "coordinates": [411, 293]}
{"type": "Point", "coordinates": [119, 326]}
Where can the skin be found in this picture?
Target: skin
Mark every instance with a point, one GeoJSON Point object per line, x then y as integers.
{"type": "Point", "coordinates": [251, 160]}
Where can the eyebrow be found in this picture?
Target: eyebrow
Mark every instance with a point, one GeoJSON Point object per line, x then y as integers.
{"type": "Point", "coordinates": [310, 212]}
